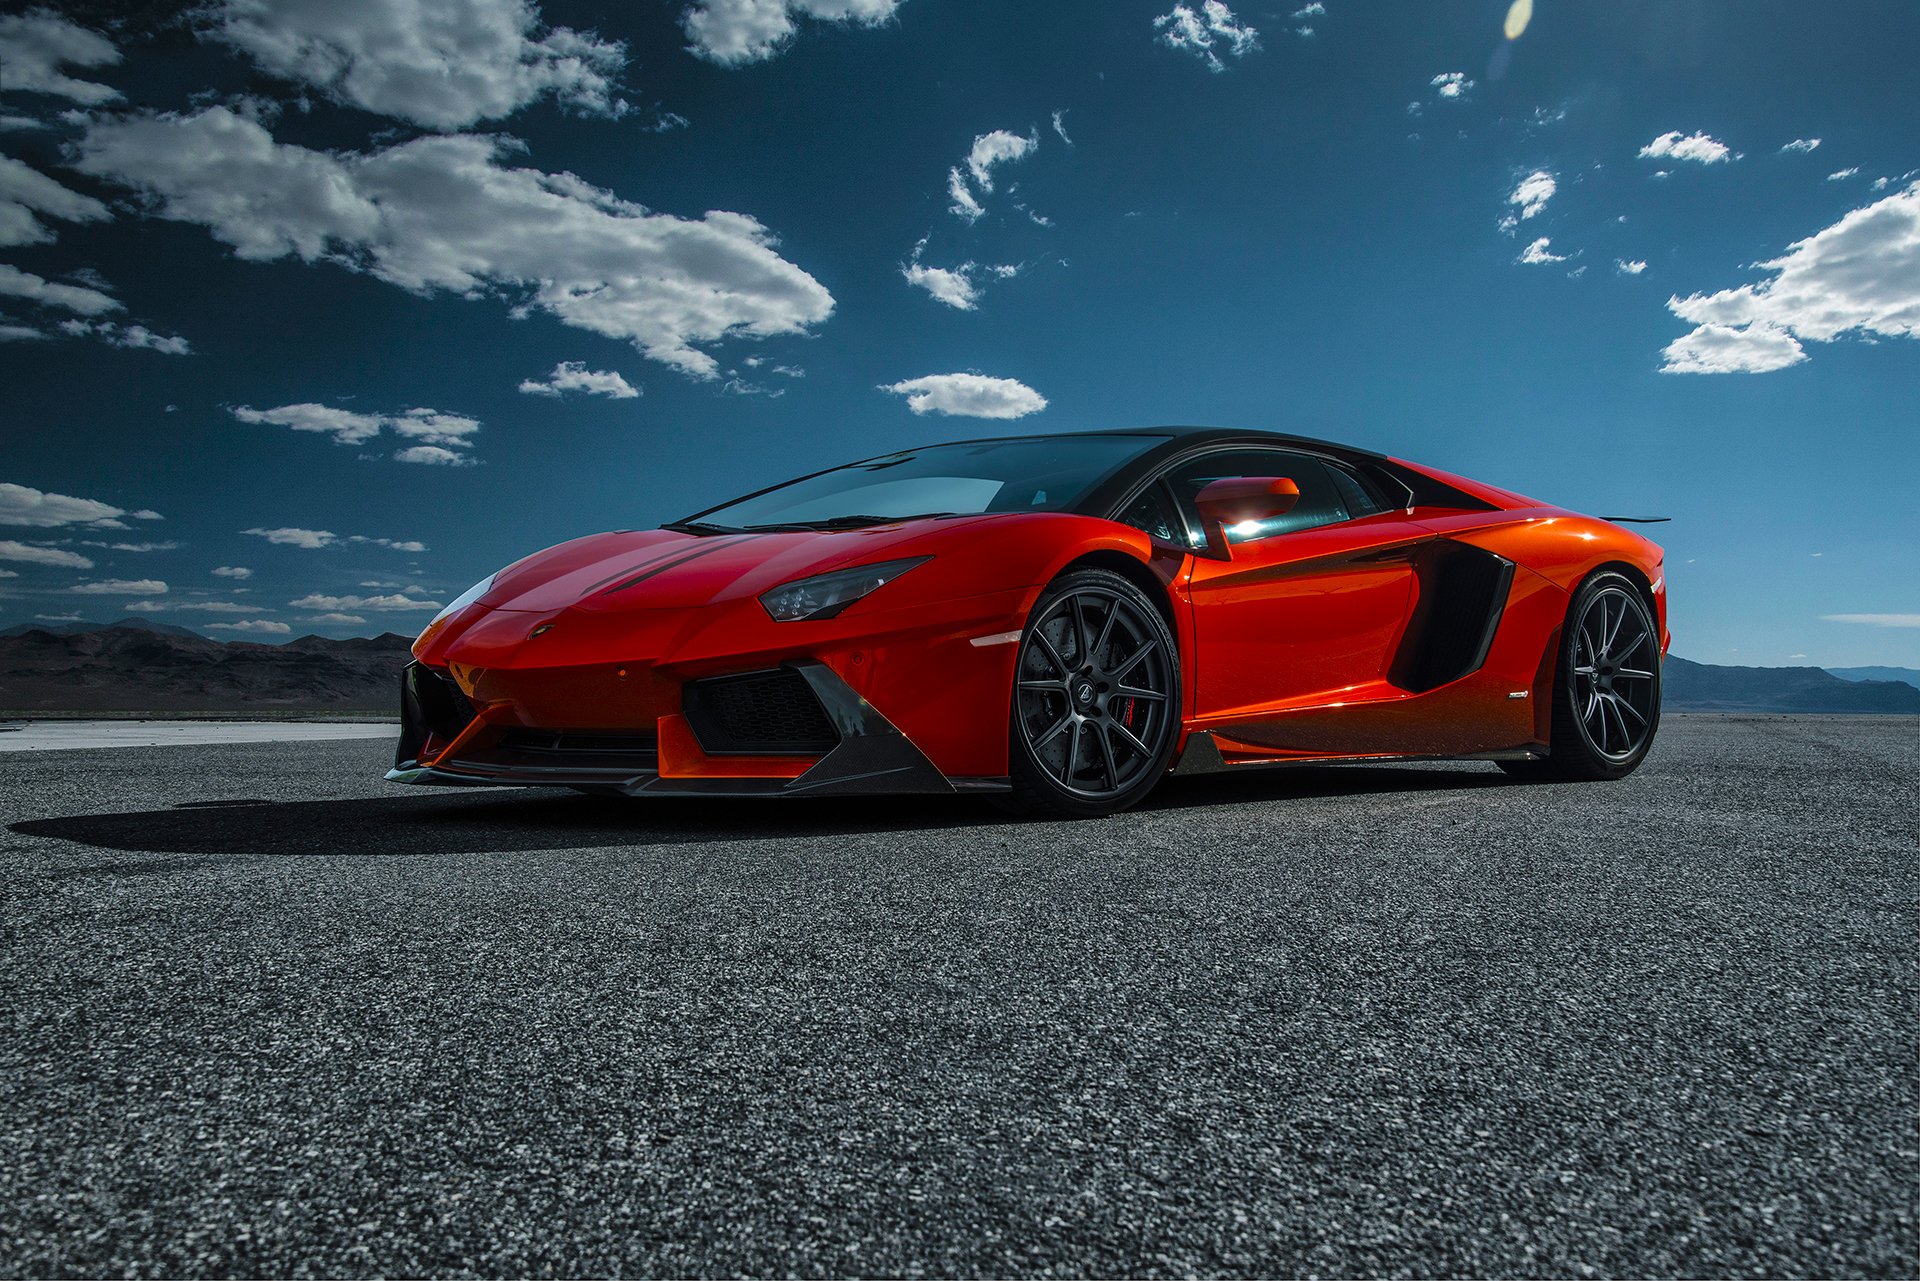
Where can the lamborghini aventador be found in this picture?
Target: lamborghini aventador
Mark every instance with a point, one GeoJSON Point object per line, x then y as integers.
{"type": "Point", "coordinates": [1061, 621]}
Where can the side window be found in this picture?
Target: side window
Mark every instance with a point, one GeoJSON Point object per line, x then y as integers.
{"type": "Point", "coordinates": [1360, 502]}
{"type": "Point", "coordinates": [1150, 514]}
{"type": "Point", "coordinates": [1320, 502]}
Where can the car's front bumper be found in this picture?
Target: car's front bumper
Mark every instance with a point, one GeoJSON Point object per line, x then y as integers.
{"type": "Point", "coordinates": [869, 757]}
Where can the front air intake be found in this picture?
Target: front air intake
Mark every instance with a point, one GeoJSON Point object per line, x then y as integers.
{"type": "Point", "coordinates": [772, 713]}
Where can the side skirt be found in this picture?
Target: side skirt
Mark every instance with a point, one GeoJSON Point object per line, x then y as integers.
{"type": "Point", "coordinates": [1202, 756]}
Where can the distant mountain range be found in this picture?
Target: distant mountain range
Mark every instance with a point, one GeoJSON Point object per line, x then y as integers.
{"type": "Point", "coordinates": [1702, 687]}
{"type": "Point", "coordinates": [140, 666]}
{"type": "Point", "coordinates": [1905, 675]}
{"type": "Point", "coordinates": [135, 665]}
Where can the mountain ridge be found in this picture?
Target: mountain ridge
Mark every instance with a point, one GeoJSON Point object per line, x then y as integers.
{"type": "Point", "coordinates": [140, 666]}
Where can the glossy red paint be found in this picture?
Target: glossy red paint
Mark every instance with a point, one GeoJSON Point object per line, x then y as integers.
{"type": "Point", "coordinates": [1287, 644]}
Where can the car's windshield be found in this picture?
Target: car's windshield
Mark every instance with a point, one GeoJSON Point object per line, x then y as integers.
{"type": "Point", "coordinates": [1035, 473]}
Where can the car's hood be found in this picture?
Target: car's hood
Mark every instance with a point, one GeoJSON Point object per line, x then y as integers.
{"type": "Point", "coordinates": [666, 569]}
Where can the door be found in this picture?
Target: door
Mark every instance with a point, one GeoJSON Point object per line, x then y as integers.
{"type": "Point", "coordinates": [1309, 606]}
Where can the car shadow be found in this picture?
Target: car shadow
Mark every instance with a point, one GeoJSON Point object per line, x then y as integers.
{"type": "Point", "coordinates": [505, 821]}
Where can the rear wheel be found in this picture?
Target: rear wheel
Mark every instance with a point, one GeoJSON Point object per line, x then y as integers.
{"type": "Point", "coordinates": [1606, 687]}
{"type": "Point", "coordinates": [1096, 698]}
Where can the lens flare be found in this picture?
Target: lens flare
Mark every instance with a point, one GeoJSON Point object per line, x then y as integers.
{"type": "Point", "coordinates": [1518, 16]}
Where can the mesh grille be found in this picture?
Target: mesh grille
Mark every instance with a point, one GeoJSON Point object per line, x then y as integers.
{"type": "Point", "coordinates": [771, 713]}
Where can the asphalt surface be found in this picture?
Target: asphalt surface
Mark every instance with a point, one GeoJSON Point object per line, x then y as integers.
{"type": "Point", "coordinates": [1406, 1021]}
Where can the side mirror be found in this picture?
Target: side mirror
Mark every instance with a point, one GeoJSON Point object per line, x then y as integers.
{"type": "Point", "coordinates": [1231, 500]}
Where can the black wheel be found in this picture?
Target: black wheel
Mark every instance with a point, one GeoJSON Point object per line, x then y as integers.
{"type": "Point", "coordinates": [1606, 687]}
{"type": "Point", "coordinates": [1096, 698]}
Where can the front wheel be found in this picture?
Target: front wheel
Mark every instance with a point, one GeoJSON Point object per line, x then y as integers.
{"type": "Point", "coordinates": [1096, 698]}
{"type": "Point", "coordinates": [1606, 686]}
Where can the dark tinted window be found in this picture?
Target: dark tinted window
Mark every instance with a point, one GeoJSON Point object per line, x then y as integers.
{"type": "Point", "coordinates": [1035, 473]}
{"type": "Point", "coordinates": [1320, 502]}
{"type": "Point", "coordinates": [1150, 513]}
{"type": "Point", "coordinates": [1358, 498]}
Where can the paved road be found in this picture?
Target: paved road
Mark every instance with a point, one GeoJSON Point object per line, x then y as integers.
{"type": "Point", "coordinates": [1341, 1021]}
{"type": "Point", "coordinates": [66, 736]}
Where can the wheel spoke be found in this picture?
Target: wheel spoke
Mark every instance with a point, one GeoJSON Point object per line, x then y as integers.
{"type": "Point", "coordinates": [1630, 673]}
{"type": "Point", "coordinates": [1054, 732]}
{"type": "Point", "coordinates": [1612, 631]}
{"type": "Point", "coordinates": [1133, 661]}
{"type": "Point", "coordinates": [1058, 687]}
{"type": "Point", "coordinates": [1053, 655]}
{"type": "Point", "coordinates": [1106, 756]}
{"type": "Point", "coordinates": [1151, 696]}
{"type": "Point", "coordinates": [1106, 631]}
{"type": "Point", "coordinates": [1073, 752]}
{"type": "Point", "coordinates": [1621, 704]}
{"type": "Point", "coordinates": [1132, 740]}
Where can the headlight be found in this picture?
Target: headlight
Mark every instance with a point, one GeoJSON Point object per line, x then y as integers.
{"type": "Point", "coordinates": [465, 599]}
{"type": "Point", "coordinates": [825, 595]}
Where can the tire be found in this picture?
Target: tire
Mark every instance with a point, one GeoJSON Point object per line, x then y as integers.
{"type": "Point", "coordinates": [1606, 686]}
{"type": "Point", "coordinates": [1095, 706]}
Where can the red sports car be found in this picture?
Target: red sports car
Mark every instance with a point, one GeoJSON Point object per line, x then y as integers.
{"type": "Point", "coordinates": [1059, 620]}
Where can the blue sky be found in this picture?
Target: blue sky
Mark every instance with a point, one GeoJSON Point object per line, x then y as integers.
{"type": "Point", "coordinates": [369, 297]}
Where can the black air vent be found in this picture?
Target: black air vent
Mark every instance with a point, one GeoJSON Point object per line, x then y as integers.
{"type": "Point", "coordinates": [758, 714]}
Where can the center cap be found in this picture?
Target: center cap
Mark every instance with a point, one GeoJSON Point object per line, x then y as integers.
{"type": "Point", "coordinates": [1084, 694]}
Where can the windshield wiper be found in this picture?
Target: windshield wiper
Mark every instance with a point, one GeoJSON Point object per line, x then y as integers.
{"type": "Point", "coordinates": [861, 521]}
{"type": "Point", "coordinates": [699, 527]}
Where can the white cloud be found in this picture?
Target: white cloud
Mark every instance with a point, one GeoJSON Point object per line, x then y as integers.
{"type": "Point", "coordinates": [953, 287]}
{"type": "Point", "coordinates": [1313, 10]}
{"type": "Point", "coordinates": [432, 456]}
{"type": "Point", "coordinates": [120, 587]}
{"type": "Point", "coordinates": [443, 64]}
{"type": "Point", "coordinates": [973, 178]}
{"type": "Point", "coordinates": [33, 48]}
{"type": "Point", "coordinates": [19, 124]}
{"type": "Point", "coordinates": [363, 602]}
{"type": "Point", "coordinates": [1452, 84]}
{"type": "Point", "coordinates": [1840, 175]}
{"type": "Point", "coordinates": [219, 607]}
{"type": "Point", "coordinates": [969, 396]}
{"type": "Point", "coordinates": [24, 505]}
{"type": "Point", "coordinates": [16, 283]}
{"type": "Point", "coordinates": [1060, 126]}
{"type": "Point", "coordinates": [573, 375]}
{"type": "Point", "coordinates": [1802, 145]}
{"type": "Point", "coordinates": [1695, 147]}
{"type": "Point", "coordinates": [1875, 620]}
{"type": "Point", "coordinates": [736, 32]}
{"type": "Point", "coordinates": [31, 554]}
{"type": "Point", "coordinates": [1533, 192]}
{"type": "Point", "coordinates": [431, 427]}
{"type": "Point", "coordinates": [9, 573]}
{"type": "Point", "coordinates": [25, 191]}
{"type": "Point", "coordinates": [1722, 349]}
{"type": "Point", "coordinates": [131, 547]}
{"type": "Point", "coordinates": [397, 544]}
{"type": "Point", "coordinates": [258, 626]}
{"type": "Point", "coordinates": [310, 539]}
{"type": "Point", "coordinates": [991, 150]}
{"type": "Point", "coordinates": [20, 333]}
{"type": "Point", "coordinates": [336, 618]}
{"type": "Point", "coordinates": [130, 336]}
{"type": "Point", "coordinates": [1629, 268]}
{"type": "Point", "coordinates": [444, 214]}
{"type": "Point", "coordinates": [964, 204]}
{"type": "Point", "coordinates": [232, 571]}
{"type": "Point", "coordinates": [438, 434]}
{"type": "Point", "coordinates": [1860, 275]}
{"type": "Point", "coordinates": [1207, 34]}
{"type": "Point", "coordinates": [346, 427]}
{"type": "Point", "coordinates": [1537, 252]}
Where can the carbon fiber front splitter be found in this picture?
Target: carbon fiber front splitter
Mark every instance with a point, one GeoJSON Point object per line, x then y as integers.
{"type": "Point", "coordinates": [873, 758]}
